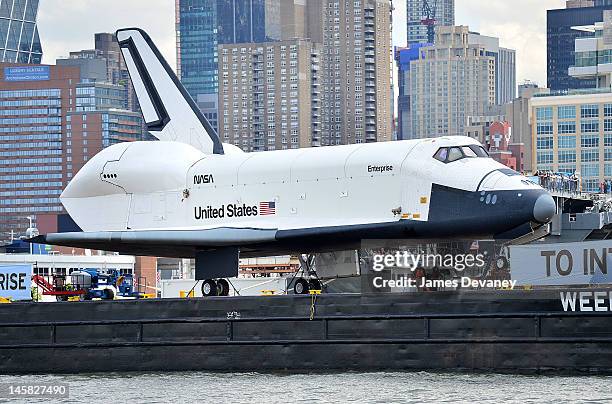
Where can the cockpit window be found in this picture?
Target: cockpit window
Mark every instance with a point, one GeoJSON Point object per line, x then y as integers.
{"type": "Point", "coordinates": [479, 150]}
{"type": "Point", "coordinates": [441, 154]}
{"type": "Point", "coordinates": [454, 154]}
{"type": "Point", "coordinates": [450, 154]}
{"type": "Point", "coordinates": [468, 152]}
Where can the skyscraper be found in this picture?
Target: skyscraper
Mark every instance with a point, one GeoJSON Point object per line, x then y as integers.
{"type": "Point", "coordinates": [593, 53]}
{"type": "Point", "coordinates": [285, 19]}
{"type": "Point", "coordinates": [356, 105]}
{"type": "Point", "coordinates": [202, 25]}
{"type": "Point", "coordinates": [417, 30]}
{"type": "Point", "coordinates": [505, 66]}
{"type": "Point", "coordinates": [403, 57]}
{"type": "Point", "coordinates": [19, 40]}
{"type": "Point", "coordinates": [329, 89]}
{"type": "Point", "coordinates": [450, 81]}
{"type": "Point", "coordinates": [561, 37]}
{"type": "Point", "coordinates": [109, 66]}
{"type": "Point", "coordinates": [241, 21]}
{"type": "Point", "coordinates": [264, 93]}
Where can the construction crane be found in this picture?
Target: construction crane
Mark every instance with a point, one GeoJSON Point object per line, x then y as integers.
{"type": "Point", "coordinates": [429, 18]}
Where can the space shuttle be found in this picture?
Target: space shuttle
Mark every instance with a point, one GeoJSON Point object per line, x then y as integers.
{"type": "Point", "coordinates": [189, 195]}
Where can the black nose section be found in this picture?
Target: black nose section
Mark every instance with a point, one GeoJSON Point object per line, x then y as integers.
{"type": "Point", "coordinates": [544, 208]}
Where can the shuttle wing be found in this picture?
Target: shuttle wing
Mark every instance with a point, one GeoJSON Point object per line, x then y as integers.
{"type": "Point", "coordinates": [160, 243]}
{"type": "Point", "coordinates": [168, 110]}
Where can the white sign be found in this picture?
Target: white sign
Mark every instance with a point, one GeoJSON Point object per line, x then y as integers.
{"type": "Point", "coordinates": [562, 263]}
{"type": "Point", "coordinates": [16, 281]}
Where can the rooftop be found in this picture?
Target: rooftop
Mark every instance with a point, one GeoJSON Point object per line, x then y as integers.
{"type": "Point", "coordinates": [584, 91]}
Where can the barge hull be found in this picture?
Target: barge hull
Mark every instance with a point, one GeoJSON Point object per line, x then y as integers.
{"type": "Point", "coordinates": [506, 331]}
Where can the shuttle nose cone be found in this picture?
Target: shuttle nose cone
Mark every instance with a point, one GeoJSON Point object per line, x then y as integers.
{"type": "Point", "coordinates": [544, 208]}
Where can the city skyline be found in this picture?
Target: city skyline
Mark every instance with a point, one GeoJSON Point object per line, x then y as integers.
{"type": "Point", "coordinates": [520, 25]}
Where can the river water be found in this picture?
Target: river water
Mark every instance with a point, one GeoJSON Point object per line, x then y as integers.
{"type": "Point", "coordinates": [379, 387]}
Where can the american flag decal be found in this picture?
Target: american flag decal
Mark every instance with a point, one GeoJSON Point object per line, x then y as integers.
{"type": "Point", "coordinates": [267, 208]}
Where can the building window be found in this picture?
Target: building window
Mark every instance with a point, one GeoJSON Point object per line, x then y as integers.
{"type": "Point", "coordinates": [567, 156]}
{"type": "Point", "coordinates": [589, 126]}
{"type": "Point", "coordinates": [544, 113]}
{"type": "Point", "coordinates": [590, 185]}
{"type": "Point", "coordinates": [567, 142]}
{"type": "Point", "coordinates": [545, 128]}
{"type": "Point", "coordinates": [544, 143]}
{"type": "Point", "coordinates": [589, 140]}
{"type": "Point", "coordinates": [545, 157]}
{"type": "Point", "coordinates": [567, 112]}
{"type": "Point", "coordinates": [584, 59]}
{"type": "Point", "coordinates": [567, 168]}
{"type": "Point", "coordinates": [566, 127]}
{"type": "Point", "coordinates": [589, 111]}
{"type": "Point", "coordinates": [589, 170]}
{"type": "Point", "coordinates": [590, 155]}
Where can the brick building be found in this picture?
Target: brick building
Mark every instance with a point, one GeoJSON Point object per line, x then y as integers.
{"type": "Point", "coordinates": [52, 120]}
{"type": "Point", "coordinates": [501, 147]}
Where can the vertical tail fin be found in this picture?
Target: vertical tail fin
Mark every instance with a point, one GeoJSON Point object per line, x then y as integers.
{"type": "Point", "coordinates": [169, 111]}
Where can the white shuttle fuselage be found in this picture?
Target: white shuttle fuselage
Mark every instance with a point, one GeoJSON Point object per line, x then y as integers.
{"type": "Point", "coordinates": [170, 185]}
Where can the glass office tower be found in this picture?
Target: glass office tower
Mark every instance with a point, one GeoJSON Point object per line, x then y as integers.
{"type": "Point", "coordinates": [561, 38]}
{"type": "Point", "coordinates": [19, 40]}
{"type": "Point", "coordinates": [202, 25]}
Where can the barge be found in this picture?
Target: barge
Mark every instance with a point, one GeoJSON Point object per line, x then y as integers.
{"type": "Point", "coordinates": [504, 331]}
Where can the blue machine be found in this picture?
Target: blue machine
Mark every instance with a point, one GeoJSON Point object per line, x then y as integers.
{"type": "Point", "coordinates": [104, 285]}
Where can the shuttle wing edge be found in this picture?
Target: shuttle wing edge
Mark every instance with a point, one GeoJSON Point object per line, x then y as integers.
{"type": "Point", "coordinates": [163, 243]}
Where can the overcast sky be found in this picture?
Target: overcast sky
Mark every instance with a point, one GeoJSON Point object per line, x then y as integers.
{"type": "Point", "coordinates": [67, 25]}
